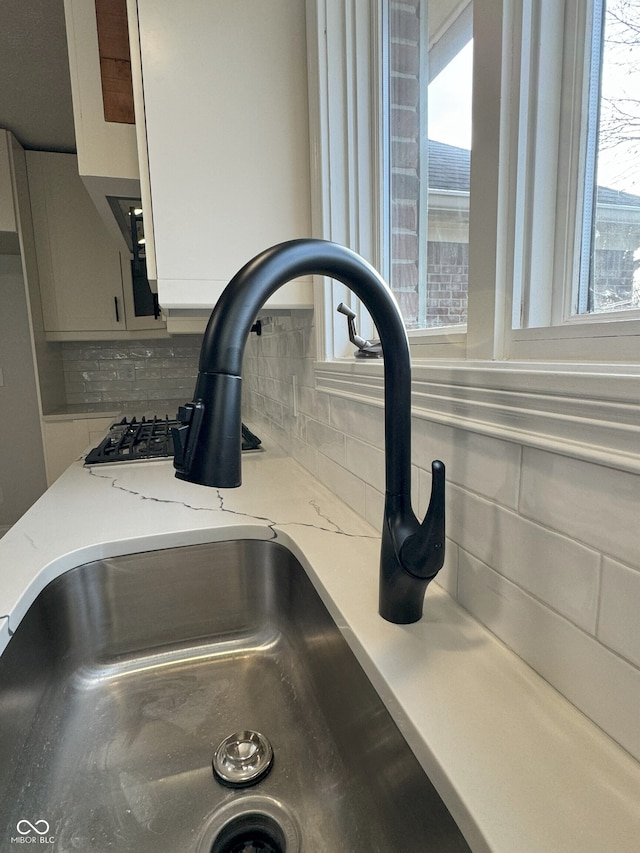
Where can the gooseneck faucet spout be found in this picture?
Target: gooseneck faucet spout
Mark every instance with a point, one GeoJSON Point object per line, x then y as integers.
{"type": "Point", "coordinates": [208, 443]}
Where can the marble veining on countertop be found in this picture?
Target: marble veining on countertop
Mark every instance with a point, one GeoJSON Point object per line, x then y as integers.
{"type": "Point", "coordinates": [125, 504]}
{"type": "Point", "coordinates": [517, 765]}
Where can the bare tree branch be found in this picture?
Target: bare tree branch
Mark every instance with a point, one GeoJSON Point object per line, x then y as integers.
{"type": "Point", "coordinates": [620, 115]}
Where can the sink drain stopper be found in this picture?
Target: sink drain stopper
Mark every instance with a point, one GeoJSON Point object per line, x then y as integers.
{"type": "Point", "coordinates": [242, 758]}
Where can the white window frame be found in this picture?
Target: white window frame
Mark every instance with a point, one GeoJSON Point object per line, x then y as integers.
{"type": "Point", "coordinates": [345, 167]}
{"type": "Point", "coordinates": [547, 177]}
{"type": "Point", "coordinates": [572, 388]}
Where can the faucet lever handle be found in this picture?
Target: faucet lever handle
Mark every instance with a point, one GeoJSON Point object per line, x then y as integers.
{"type": "Point", "coordinates": [354, 337]}
{"type": "Point", "coordinates": [422, 553]}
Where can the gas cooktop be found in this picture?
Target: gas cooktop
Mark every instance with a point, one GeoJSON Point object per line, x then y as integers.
{"type": "Point", "coordinates": [148, 438]}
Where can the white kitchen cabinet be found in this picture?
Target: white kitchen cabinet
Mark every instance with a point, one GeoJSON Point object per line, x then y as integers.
{"type": "Point", "coordinates": [66, 439]}
{"type": "Point", "coordinates": [85, 278]}
{"type": "Point", "coordinates": [107, 151]}
{"type": "Point", "coordinates": [222, 120]}
{"type": "Point", "coordinates": [8, 224]}
{"type": "Point", "coordinates": [24, 386]}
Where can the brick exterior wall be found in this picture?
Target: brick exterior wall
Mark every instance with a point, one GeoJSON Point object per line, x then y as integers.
{"type": "Point", "coordinates": [445, 268]}
{"type": "Point", "coordinates": [448, 269]}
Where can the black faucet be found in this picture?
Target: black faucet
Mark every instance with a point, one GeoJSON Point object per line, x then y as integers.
{"type": "Point", "coordinates": [207, 444]}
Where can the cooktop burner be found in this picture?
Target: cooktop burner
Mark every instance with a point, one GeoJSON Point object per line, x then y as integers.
{"type": "Point", "coordinates": [137, 440]}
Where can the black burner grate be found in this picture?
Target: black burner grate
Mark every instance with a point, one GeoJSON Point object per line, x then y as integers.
{"type": "Point", "coordinates": [147, 438]}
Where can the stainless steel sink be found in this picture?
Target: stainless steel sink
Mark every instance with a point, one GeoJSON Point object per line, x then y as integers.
{"type": "Point", "coordinates": [127, 674]}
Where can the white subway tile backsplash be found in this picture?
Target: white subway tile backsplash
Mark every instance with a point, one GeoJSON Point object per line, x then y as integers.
{"type": "Point", "coordinates": [554, 568]}
{"type": "Point", "coordinates": [145, 374]}
{"type": "Point", "coordinates": [347, 486]}
{"type": "Point", "coordinates": [374, 507]}
{"type": "Point", "coordinates": [591, 503]}
{"type": "Point", "coordinates": [619, 620]}
{"type": "Point", "coordinates": [328, 441]}
{"type": "Point", "coordinates": [447, 577]}
{"type": "Point", "coordinates": [297, 343]}
{"type": "Point", "coordinates": [481, 463]}
{"type": "Point", "coordinates": [119, 395]}
{"type": "Point", "coordinates": [358, 419]}
{"type": "Point", "coordinates": [273, 410]}
{"type": "Point", "coordinates": [305, 454]}
{"type": "Point", "coordinates": [93, 376]}
{"type": "Point", "coordinates": [112, 386]}
{"type": "Point", "coordinates": [276, 389]}
{"type": "Point", "coordinates": [83, 398]}
{"type": "Point", "coordinates": [312, 403]}
{"type": "Point", "coordinates": [604, 686]}
{"type": "Point", "coordinates": [136, 370]}
{"type": "Point", "coordinates": [273, 345]}
{"type": "Point", "coordinates": [306, 376]}
{"type": "Point", "coordinates": [161, 393]}
{"type": "Point", "coordinates": [172, 372]}
{"type": "Point", "coordinates": [366, 461]}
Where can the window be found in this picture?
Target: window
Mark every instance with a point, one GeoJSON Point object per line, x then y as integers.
{"type": "Point", "coordinates": [518, 246]}
{"type": "Point", "coordinates": [575, 225]}
{"type": "Point", "coordinates": [427, 119]}
{"type": "Point", "coordinates": [573, 233]}
{"type": "Point", "coordinates": [610, 263]}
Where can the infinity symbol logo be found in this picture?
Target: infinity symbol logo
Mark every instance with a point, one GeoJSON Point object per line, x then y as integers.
{"type": "Point", "coordinates": [40, 827]}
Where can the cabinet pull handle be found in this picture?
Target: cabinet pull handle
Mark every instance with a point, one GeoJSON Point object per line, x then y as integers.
{"type": "Point", "coordinates": [115, 302]}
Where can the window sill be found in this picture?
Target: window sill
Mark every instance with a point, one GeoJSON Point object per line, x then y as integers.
{"type": "Point", "coordinates": [440, 342]}
{"type": "Point", "coordinates": [590, 339]}
{"type": "Point", "coordinates": [588, 412]}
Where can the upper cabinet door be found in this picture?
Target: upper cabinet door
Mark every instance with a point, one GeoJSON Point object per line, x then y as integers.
{"type": "Point", "coordinates": [79, 262]}
{"type": "Point", "coordinates": [107, 149]}
{"type": "Point", "coordinates": [222, 96]}
{"type": "Point", "coordinates": [8, 224]}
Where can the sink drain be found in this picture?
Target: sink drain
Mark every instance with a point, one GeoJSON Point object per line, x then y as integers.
{"type": "Point", "coordinates": [242, 758]}
{"type": "Point", "coordinates": [251, 833]}
{"type": "Point", "coordinates": [250, 824]}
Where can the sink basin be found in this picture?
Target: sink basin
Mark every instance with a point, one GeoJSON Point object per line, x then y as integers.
{"type": "Point", "coordinates": [127, 674]}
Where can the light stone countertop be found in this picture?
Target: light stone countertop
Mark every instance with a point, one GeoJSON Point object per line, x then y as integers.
{"type": "Point", "coordinates": [518, 766]}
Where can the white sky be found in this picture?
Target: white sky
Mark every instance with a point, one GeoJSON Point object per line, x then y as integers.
{"type": "Point", "coordinates": [449, 118]}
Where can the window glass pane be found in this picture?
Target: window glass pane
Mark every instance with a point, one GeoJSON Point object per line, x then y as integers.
{"type": "Point", "coordinates": [428, 122]}
{"type": "Point", "coordinates": [611, 274]}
